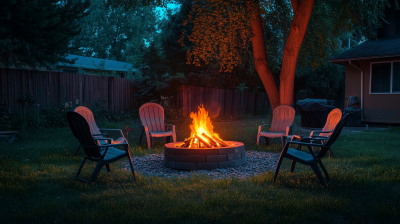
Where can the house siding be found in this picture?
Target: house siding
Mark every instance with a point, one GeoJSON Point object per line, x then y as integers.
{"type": "Point", "coordinates": [378, 108]}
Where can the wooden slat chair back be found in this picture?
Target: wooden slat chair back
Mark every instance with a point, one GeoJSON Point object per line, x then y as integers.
{"type": "Point", "coordinates": [88, 115]}
{"type": "Point", "coordinates": [152, 117]}
{"type": "Point", "coordinates": [333, 118]}
{"type": "Point", "coordinates": [311, 159]}
{"type": "Point", "coordinates": [332, 138]}
{"type": "Point", "coordinates": [82, 131]}
{"type": "Point", "coordinates": [282, 117]}
{"type": "Point", "coordinates": [103, 154]}
{"type": "Point", "coordinates": [281, 124]}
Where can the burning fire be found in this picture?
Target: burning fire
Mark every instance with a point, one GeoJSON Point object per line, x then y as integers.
{"type": "Point", "coordinates": [202, 135]}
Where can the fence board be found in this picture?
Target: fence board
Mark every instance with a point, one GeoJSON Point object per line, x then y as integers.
{"type": "Point", "coordinates": [230, 103]}
{"type": "Point", "coordinates": [51, 89]}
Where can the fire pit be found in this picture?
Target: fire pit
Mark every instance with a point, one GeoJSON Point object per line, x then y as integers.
{"type": "Point", "coordinates": [204, 149]}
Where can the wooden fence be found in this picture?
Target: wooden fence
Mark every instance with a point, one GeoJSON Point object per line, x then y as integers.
{"type": "Point", "coordinates": [220, 102]}
{"type": "Point", "coordinates": [53, 89]}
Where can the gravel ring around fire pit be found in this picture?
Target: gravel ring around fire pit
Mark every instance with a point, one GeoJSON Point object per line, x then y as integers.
{"type": "Point", "coordinates": [256, 164]}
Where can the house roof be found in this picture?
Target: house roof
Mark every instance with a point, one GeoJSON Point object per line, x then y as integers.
{"type": "Point", "coordinates": [381, 48]}
{"type": "Point", "coordinates": [95, 63]}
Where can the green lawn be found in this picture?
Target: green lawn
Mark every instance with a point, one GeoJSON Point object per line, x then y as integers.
{"type": "Point", "coordinates": [38, 184]}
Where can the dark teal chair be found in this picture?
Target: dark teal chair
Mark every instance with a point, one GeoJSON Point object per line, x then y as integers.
{"type": "Point", "coordinates": [311, 159]}
{"type": "Point", "coordinates": [103, 154]}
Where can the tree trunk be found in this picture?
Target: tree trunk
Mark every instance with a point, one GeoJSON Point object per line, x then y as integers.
{"type": "Point", "coordinates": [296, 35]}
{"type": "Point", "coordinates": [260, 56]}
{"type": "Point", "coordinates": [302, 12]}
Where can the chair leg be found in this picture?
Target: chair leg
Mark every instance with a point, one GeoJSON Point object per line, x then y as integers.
{"type": "Point", "coordinates": [141, 136]}
{"type": "Point", "coordinates": [283, 138]}
{"type": "Point", "coordinates": [317, 171]}
{"type": "Point", "coordinates": [174, 137]}
{"type": "Point", "coordinates": [148, 138]}
{"type": "Point", "coordinates": [130, 163]}
{"type": "Point", "coordinates": [108, 167]}
{"type": "Point", "coordinates": [79, 146]}
{"type": "Point", "coordinates": [80, 167]}
{"type": "Point", "coordinates": [258, 139]}
{"type": "Point", "coordinates": [267, 142]}
{"type": "Point", "coordinates": [333, 155]}
{"type": "Point", "coordinates": [324, 170]}
{"type": "Point", "coordinates": [96, 171]}
{"type": "Point", "coordinates": [292, 166]}
{"type": "Point", "coordinates": [283, 153]}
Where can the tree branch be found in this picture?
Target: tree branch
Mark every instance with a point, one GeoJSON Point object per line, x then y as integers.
{"type": "Point", "coordinates": [295, 5]}
{"type": "Point", "coordinates": [260, 56]}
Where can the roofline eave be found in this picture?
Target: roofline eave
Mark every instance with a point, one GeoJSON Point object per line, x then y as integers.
{"type": "Point", "coordinates": [363, 58]}
{"type": "Point", "coordinates": [95, 68]}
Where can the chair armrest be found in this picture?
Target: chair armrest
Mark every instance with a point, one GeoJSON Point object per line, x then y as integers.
{"type": "Point", "coordinates": [289, 130]}
{"type": "Point", "coordinates": [259, 127]}
{"type": "Point", "coordinates": [105, 129]}
{"type": "Point", "coordinates": [99, 134]}
{"type": "Point", "coordinates": [112, 145]}
{"type": "Point", "coordinates": [294, 137]}
{"type": "Point", "coordinates": [313, 132]}
{"type": "Point", "coordinates": [100, 138]}
{"type": "Point", "coordinates": [170, 126]}
{"type": "Point", "coordinates": [305, 143]}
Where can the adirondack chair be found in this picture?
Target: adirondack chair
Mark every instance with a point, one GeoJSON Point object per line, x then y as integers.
{"type": "Point", "coordinates": [88, 115]}
{"type": "Point", "coordinates": [333, 118]}
{"type": "Point", "coordinates": [103, 154]}
{"type": "Point", "coordinates": [282, 124]}
{"type": "Point", "coordinates": [311, 159]}
{"type": "Point", "coordinates": [152, 117]}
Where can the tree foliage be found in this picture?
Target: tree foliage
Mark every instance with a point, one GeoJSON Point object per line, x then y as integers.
{"type": "Point", "coordinates": [277, 29]}
{"type": "Point", "coordinates": [221, 31]}
{"type": "Point", "coordinates": [114, 33]}
{"type": "Point", "coordinates": [37, 33]}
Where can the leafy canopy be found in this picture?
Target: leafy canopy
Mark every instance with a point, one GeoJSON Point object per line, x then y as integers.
{"type": "Point", "coordinates": [37, 33]}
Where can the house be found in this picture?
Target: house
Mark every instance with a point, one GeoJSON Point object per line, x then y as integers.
{"type": "Point", "coordinates": [95, 66]}
{"type": "Point", "coordinates": [373, 73]}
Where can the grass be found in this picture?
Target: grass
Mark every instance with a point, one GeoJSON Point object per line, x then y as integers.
{"type": "Point", "coordinates": [38, 184]}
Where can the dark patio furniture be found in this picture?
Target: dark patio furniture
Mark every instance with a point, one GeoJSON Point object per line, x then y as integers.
{"type": "Point", "coordinates": [311, 159]}
{"type": "Point", "coordinates": [88, 115]}
{"type": "Point", "coordinates": [103, 154]}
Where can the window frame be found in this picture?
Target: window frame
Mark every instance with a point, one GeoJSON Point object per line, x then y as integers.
{"type": "Point", "coordinates": [391, 76]}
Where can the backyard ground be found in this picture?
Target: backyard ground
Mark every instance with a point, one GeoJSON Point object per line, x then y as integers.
{"type": "Point", "coordinates": [38, 184]}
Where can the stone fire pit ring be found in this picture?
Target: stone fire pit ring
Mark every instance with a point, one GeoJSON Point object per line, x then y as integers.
{"type": "Point", "coordinates": [204, 158]}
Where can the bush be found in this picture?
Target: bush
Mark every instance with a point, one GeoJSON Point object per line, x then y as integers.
{"type": "Point", "coordinates": [51, 117]}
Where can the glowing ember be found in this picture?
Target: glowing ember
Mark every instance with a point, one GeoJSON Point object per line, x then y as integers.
{"type": "Point", "coordinates": [202, 135]}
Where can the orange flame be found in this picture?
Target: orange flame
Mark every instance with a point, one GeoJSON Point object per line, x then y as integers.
{"type": "Point", "coordinates": [201, 123]}
{"type": "Point", "coordinates": [202, 134]}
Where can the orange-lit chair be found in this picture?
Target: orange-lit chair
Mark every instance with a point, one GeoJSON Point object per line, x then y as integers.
{"type": "Point", "coordinates": [317, 134]}
{"type": "Point", "coordinates": [281, 125]}
{"type": "Point", "coordinates": [152, 117]}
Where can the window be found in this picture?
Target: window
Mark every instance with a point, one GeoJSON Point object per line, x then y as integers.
{"type": "Point", "coordinates": [385, 77]}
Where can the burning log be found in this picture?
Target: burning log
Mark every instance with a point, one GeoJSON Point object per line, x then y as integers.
{"type": "Point", "coordinates": [187, 142]}
{"type": "Point", "coordinates": [202, 141]}
{"type": "Point", "coordinates": [212, 142]}
{"type": "Point", "coordinates": [223, 144]}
